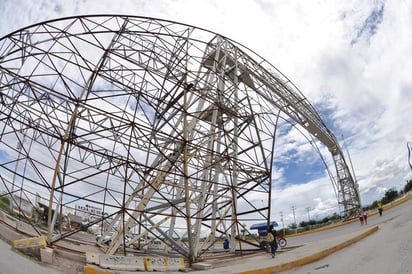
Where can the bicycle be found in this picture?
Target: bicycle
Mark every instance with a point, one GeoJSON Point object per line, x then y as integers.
{"type": "Point", "coordinates": [282, 240]}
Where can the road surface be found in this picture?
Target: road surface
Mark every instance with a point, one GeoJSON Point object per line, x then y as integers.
{"type": "Point", "coordinates": [12, 262]}
{"type": "Point", "coordinates": [387, 251]}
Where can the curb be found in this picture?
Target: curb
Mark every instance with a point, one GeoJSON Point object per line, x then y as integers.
{"type": "Point", "coordinates": [311, 258]}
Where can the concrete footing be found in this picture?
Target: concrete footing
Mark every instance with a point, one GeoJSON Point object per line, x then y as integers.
{"type": "Point", "coordinates": [133, 263]}
{"type": "Point", "coordinates": [130, 263]}
{"type": "Point", "coordinates": [201, 266]}
{"type": "Point", "coordinates": [46, 255]}
{"type": "Point", "coordinates": [33, 242]}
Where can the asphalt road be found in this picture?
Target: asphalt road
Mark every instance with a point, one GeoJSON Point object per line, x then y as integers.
{"type": "Point", "coordinates": [387, 251]}
{"type": "Point", "coordinates": [12, 262]}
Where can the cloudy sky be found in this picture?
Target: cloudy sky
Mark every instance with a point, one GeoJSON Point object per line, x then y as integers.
{"type": "Point", "coordinates": [351, 59]}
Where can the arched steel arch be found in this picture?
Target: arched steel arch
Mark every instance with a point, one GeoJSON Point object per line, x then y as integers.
{"type": "Point", "coordinates": [164, 130]}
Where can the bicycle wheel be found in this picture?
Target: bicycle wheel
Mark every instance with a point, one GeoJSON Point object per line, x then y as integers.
{"type": "Point", "coordinates": [282, 242]}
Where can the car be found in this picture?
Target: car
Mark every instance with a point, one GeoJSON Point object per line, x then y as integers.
{"type": "Point", "coordinates": [156, 245]}
{"type": "Point", "coordinates": [108, 238]}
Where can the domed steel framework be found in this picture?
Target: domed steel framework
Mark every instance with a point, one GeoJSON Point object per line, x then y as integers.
{"type": "Point", "coordinates": [152, 129]}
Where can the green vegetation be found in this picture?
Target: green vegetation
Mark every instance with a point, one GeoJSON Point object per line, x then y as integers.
{"type": "Point", "coordinates": [312, 224]}
{"type": "Point", "coordinates": [408, 186]}
{"type": "Point", "coordinates": [391, 195]}
{"type": "Point", "coordinates": [4, 203]}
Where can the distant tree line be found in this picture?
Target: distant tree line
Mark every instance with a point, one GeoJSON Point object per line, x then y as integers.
{"type": "Point", "coordinates": [326, 220]}
{"type": "Point", "coordinates": [390, 195]}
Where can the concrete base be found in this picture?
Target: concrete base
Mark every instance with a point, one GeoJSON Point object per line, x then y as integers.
{"type": "Point", "coordinates": [46, 255]}
{"type": "Point", "coordinates": [175, 264]}
{"type": "Point", "coordinates": [121, 262]}
{"type": "Point", "coordinates": [155, 264]}
{"type": "Point", "coordinates": [201, 266]}
{"type": "Point", "coordinates": [92, 258]}
{"type": "Point", "coordinates": [34, 242]}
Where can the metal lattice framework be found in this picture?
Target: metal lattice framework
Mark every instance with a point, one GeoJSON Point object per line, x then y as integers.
{"type": "Point", "coordinates": [168, 129]}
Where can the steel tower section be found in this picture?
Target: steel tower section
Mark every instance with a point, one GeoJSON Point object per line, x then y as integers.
{"type": "Point", "coordinates": [286, 97]}
{"type": "Point", "coordinates": [166, 131]}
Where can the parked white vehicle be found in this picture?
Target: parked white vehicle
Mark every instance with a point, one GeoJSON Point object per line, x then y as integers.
{"type": "Point", "coordinates": [156, 245]}
{"type": "Point", "coordinates": [107, 238]}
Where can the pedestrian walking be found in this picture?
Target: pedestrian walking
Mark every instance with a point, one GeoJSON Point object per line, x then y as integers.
{"type": "Point", "coordinates": [361, 217]}
{"type": "Point", "coordinates": [226, 244]}
{"type": "Point", "coordinates": [380, 208]}
{"type": "Point", "coordinates": [274, 240]}
{"type": "Point", "coordinates": [365, 216]}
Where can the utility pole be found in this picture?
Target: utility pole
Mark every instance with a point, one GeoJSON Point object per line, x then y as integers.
{"type": "Point", "coordinates": [19, 147]}
{"type": "Point", "coordinates": [283, 224]}
{"type": "Point", "coordinates": [294, 218]}
{"type": "Point", "coordinates": [308, 209]}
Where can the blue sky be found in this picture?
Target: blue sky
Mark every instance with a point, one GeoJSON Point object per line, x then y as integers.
{"type": "Point", "coordinates": [351, 59]}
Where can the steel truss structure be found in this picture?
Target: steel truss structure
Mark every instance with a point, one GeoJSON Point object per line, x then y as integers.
{"type": "Point", "coordinates": [168, 129]}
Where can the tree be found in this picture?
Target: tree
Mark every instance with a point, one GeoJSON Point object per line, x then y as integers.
{"type": "Point", "coordinates": [4, 203]}
{"type": "Point", "coordinates": [390, 195]}
{"type": "Point", "coordinates": [335, 217]}
{"type": "Point", "coordinates": [408, 186]}
{"type": "Point", "coordinates": [293, 226]}
{"type": "Point", "coordinates": [325, 220]}
{"type": "Point", "coordinates": [373, 205]}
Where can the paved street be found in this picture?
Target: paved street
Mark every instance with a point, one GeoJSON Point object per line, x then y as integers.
{"type": "Point", "coordinates": [387, 251]}
{"type": "Point", "coordinates": [12, 262]}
